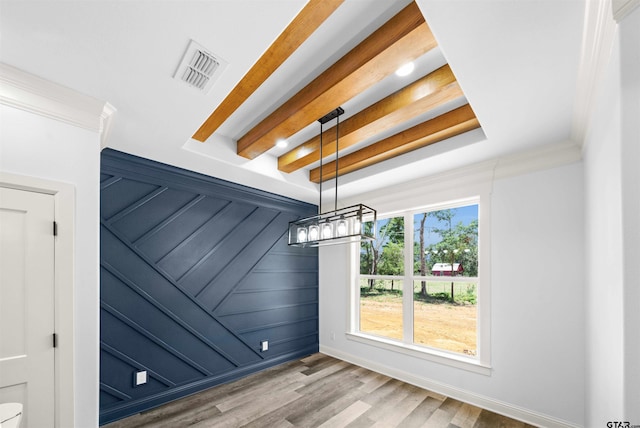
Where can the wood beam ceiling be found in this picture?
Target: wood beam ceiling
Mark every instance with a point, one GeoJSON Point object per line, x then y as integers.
{"type": "Point", "coordinates": [403, 38]}
{"type": "Point", "coordinates": [303, 25]}
{"type": "Point", "coordinates": [426, 93]}
{"type": "Point", "coordinates": [442, 127]}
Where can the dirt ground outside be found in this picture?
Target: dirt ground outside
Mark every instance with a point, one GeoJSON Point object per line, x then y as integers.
{"type": "Point", "coordinates": [439, 325]}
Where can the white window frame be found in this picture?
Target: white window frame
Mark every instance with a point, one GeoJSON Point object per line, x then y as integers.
{"type": "Point", "coordinates": [481, 362]}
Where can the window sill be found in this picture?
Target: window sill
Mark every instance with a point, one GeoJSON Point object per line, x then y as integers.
{"type": "Point", "coordinates": [428, 354]}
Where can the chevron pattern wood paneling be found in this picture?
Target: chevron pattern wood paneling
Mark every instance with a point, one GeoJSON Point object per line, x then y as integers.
{"type": "Point", "coordinates": [195, 273]}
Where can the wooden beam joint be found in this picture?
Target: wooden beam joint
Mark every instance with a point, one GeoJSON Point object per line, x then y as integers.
{"type": "Point", "coordinates": [433, 90]}
{"type": "Point", "coordinates": [445, 126]}
{"type": "Point", "coordinates": [403, 38]}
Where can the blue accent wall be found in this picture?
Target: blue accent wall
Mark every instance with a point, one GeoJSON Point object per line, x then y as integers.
{"type": "Point", "coordinates": [194, 273]}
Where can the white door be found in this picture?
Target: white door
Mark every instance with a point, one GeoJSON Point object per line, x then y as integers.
{"type": "Point", "coordinates": [27, 304]}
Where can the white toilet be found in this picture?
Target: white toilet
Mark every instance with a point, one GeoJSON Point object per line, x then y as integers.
{"type": "Point", "coordinates": [10, 415]}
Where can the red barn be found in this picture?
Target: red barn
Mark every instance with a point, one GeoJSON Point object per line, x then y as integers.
{"type": "Point", "coordinates": [444, 269]}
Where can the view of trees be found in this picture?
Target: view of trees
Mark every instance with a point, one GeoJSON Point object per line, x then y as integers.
{"type": "Point", "coordinates": [385, 255]}
{"type": "Point", "coordinates": [439, 237]}
{"type": "Point", "coordinates": [444, 310]}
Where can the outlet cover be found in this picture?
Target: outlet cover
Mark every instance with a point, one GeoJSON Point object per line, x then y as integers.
{"type": "Point", "coordinates": [141, 378]}
{"type": "Point", "coordinates": [264, 345]}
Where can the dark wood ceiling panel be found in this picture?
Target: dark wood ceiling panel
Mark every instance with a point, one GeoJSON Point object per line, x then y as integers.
{"type": "Point", "coordinates": [403, 38]}
{"type": "Point", "coordinates": [303, 25]}
{"type": "Point", "coordinates": [426, 93]}
{"type": "Point", "coordinates": [442, 127]}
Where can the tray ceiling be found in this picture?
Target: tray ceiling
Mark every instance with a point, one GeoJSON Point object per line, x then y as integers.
{"type": "Point", "coordinates": [404, 38]}
{"type": "Point", "coordinates": [511, 67]}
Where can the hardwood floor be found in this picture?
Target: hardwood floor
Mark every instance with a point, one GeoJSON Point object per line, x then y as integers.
{"type": "Point", "coordinates": [317, 391]}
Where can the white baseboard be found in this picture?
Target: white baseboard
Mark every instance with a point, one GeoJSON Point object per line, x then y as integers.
{"type": "Point", "coordinates": [491, 404]}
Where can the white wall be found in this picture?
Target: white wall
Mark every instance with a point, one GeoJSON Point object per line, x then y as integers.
{"type": "Point", "coordinates": [612, 193]}
{"type": "Point", "coordinates": [602, 160]}
{"type": "Point", "coordinates": [36, 146]}
{"type": "Point", "coordinates": [537, 305]}
{"type": "Point", "coordinates": [630, 133]}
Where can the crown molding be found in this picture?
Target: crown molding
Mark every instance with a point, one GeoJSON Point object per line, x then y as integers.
{"type": "Point", "coordinates": [597, 42]}
{"type": "Point", "coordinates": [539, 159]}
{"type": "Point", "coordinates": [34, 94]}
{"type": "Point", "coordinates": [478, 177]}
{"type": "Point", "coordinates": [106, 122]}
{"type": "Point", "coordinates": [622, 8]}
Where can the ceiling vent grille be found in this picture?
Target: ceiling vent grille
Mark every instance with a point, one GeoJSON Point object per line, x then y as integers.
{"type": "Point", "coordinates": [199, 68]}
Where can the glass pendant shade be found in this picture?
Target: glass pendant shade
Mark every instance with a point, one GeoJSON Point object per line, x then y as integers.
{"type": "Point", "coordinates": [302, 234]}
{"type": "Point", "coordinates": [332, 227]}
{"type": "Point", "coordinates": [342, 228]}
{"type": "Point", "coordinates": [327, 230]}
{"type": "Point", "coordinates": [314, 234]}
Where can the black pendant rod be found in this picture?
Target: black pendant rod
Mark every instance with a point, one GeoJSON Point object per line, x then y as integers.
{"type": "Point", "coordinates": [324, 119]}
{"type": "Point", "coordinates": [335, 202]}
{"type": "Point", "coordinates": [320, 206]}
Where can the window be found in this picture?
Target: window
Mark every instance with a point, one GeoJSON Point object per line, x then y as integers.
{"type": "Point", "coordinates": [381, 282]}
{"type": "Point", "coordinates": [444, 311]}
{"type": "Point", "coordinates": [419, 284]}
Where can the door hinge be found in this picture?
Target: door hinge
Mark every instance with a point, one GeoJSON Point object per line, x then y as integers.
{"type": "Point", "coordinates": [55, 340]}
{"type": "Point", "coordinates": [55, 229]}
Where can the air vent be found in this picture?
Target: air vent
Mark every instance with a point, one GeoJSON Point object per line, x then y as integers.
{"type": "Point", "coordinates": [199, 68]}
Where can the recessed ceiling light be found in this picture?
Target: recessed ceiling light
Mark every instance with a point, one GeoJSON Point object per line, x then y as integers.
{"type": "Point", "coordinates": [405, 69]}
{"type": "Point", "coordinates": [282, 143]}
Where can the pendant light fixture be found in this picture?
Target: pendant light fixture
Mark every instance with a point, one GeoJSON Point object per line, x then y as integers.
{"type": "Point", "coordinates": [339, 226]}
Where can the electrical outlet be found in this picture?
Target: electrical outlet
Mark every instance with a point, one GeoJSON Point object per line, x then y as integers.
{"type": "Point", "coordinates": [333, 336]}
{"type": "Point", "coordinates": [264, 345]}
{"type": "Point", "coordinates": [140, 378]}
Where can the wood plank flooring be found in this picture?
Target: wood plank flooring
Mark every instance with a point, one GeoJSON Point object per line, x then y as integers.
{"type": "Point", "coordinates": [317, 391]}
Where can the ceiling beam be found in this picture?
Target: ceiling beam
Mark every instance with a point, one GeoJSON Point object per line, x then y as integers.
{"type": "Point", "coordinates": [440, 128]}
{"type": "Point", "coordinates": [426, 93]}
{"type": "Point", "coordinates": [403, 38]}
{"type": "Point", "coordinates": [302, 26]}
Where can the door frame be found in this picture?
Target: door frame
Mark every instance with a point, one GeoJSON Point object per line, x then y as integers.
{"type": "Point", "coordinates": [64, 203]}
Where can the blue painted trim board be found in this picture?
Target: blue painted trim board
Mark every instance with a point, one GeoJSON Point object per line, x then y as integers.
{"type": "Point", "coordinates": [194, 273]}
